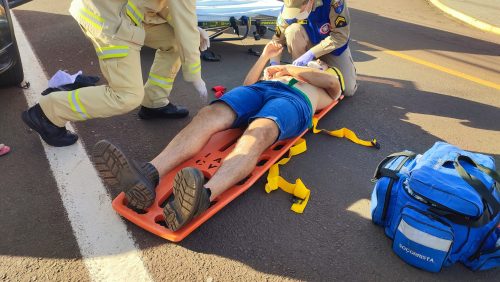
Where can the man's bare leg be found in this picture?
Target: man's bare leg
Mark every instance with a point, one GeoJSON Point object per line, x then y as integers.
{"type": "Point", "coordinates": [260, 134]}
{"type": "Point", "coordinates": [139, 181]}
{"type": "Point", "coordinates": [194, 136]}
{"type": "Point", "coordinates": [190, 196]}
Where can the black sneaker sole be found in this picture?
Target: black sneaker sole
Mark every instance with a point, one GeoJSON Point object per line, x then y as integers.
{"type": "Point", "coordinates": [113, 167]}
{"type": "Point", "coordinates": [27, 120]}
{"type": "Point", "coordinates": [186, 197]}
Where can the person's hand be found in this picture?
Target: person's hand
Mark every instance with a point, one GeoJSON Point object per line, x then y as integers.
{"type": "Point", "coordinates": [201, 88]}
{"type": "Point", "coordinates": [272, 49]}
{"type": "Point", "coordinates": [304, 59]}
{"type": "Point", "coordinates": [204, 39]}
{"type": "Point", "coordinates": [275, 71]}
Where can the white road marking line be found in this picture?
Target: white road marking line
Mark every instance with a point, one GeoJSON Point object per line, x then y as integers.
{"type": "Point", "coordinates": [108, 250]}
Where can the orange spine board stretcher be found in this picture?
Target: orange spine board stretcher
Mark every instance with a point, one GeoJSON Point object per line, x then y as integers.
{"type": "Point", "coordinates": [208, 161]}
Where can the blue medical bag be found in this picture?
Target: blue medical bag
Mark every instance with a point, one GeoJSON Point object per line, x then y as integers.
{"type": "Point", "coordinates": [439, 208]}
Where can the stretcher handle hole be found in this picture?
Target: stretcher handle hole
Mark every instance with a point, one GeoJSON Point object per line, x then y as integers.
{"type": "Point", "coordinates": [160, 220]}
{"type": "Point", "coordinates": [278, 147]}
{"type": "Point", "coordinates": [244, 180]}
{"type": "Point", "coordinates": [262, 162]}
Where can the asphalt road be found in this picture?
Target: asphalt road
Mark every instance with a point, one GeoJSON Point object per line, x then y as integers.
{"type": "Point", "coordinates": [404, 103]}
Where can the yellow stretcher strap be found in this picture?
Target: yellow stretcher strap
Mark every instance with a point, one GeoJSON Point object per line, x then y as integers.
{"type": "Point", "coordinates": [346, 133]}
{"type": "Point", "coordinates": [298, 189]}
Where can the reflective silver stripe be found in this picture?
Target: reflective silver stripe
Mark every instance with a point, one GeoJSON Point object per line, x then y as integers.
{"type": "Point", "coordinates": [91, 18]}
{"type": "Point", "coordinates": [195, 68]}
{"type": "Point", "coordinates": [137, 18]}
{"type": "Point", "coordinates": [423, 238]}
{"type": "Point", "coordinates": [160, 82]}
{"type": "Point", "coordinates": [112, 52]}
{"type": "Point", "coordinates": [76, 106]}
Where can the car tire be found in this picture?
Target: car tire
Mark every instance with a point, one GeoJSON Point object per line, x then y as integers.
{"type": "Point", "coordinates": [13, 74]}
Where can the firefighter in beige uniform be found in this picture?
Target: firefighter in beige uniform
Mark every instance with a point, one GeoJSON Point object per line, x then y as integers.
{"type": "Point", "coordinates": [118, 29]}
{"type": "Point", "coordinates": [318, 29]}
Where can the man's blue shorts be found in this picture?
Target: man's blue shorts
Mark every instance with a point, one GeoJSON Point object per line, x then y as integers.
{"type": "Point", "coordinates": [289, 108]}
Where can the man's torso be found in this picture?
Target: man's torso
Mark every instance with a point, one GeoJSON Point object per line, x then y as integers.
{"type": "Point", "coordinates": [318, 97]}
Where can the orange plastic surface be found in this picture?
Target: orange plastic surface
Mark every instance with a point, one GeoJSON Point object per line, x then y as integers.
{"type": "Point", "coordinates": [207, 160]}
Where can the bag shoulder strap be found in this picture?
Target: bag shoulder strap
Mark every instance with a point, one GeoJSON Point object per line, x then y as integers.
{"type": "Point", "coordinates": [477, 184]}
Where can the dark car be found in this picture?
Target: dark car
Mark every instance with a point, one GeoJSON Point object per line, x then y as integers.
{"type": "Point", "coordinates": [11, 69]}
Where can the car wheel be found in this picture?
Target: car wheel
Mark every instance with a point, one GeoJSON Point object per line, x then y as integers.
{"type": "Point", "coordinates": [11, 69]}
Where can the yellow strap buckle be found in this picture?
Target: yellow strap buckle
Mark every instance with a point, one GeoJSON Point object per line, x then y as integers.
{"type": "Point", "coordinates": [300, 193]}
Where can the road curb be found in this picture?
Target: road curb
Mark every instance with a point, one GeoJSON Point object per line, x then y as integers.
{"type": "Point", "coordinates": [466, 18]}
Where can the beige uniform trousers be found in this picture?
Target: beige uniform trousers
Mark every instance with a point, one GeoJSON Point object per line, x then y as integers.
{"type": "Point", "coordinates": [298, 43]}
{"type": "Point", "coordinates": [126, 89]}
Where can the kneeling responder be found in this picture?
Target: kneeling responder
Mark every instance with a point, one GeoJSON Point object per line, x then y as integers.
{"type": "Point", "coordinates": [318, 29]}
{"type": "Point", "coordinates": [118, 30]}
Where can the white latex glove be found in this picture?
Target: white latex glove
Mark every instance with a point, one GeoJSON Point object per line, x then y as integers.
{"type": "Point", "coordinates": [200, 86]}
{"type": "Point", "coordinates": [204, 39]}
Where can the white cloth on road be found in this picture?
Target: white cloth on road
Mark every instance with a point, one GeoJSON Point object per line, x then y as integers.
{"type": "Point", "coordinates": [61, 78]}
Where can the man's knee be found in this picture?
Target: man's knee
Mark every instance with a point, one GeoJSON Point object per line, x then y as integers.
{"type": "Point", "coordinates": [264, 130]}
{"type": "Point", "coordinates": [218, 115]}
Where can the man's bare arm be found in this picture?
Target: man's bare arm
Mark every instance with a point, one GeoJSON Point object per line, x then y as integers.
{"type": "Point", "coordinates": [272, 49]}
{"type": "Point", "coordinates": [256, 71]}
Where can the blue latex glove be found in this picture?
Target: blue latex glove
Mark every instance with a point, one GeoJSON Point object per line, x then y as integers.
{"type": "Point", "coordinates": [304, 59]}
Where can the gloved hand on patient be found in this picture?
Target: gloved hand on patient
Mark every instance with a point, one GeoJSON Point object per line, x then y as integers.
{"type": "Point", "coordinates": [304, 59]}
{"type": "Point", "coordinates": [204, 39]}
{"type": "Point", "coordinates": [201, 87]}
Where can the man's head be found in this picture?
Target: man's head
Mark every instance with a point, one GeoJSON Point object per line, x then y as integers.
{"type": "Point", "coordinates": [297, 9]}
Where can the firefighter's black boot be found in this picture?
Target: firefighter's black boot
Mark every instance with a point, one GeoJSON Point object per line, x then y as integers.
{"type": "Point", "coordinates": [53, 135]}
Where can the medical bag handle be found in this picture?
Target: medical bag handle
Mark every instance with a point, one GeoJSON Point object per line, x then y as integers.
{"type": "Point", "coordinates": [381, 171]}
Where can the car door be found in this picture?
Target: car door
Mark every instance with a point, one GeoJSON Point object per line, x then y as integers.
{"type": "Point", "coordinates": [11, 70]}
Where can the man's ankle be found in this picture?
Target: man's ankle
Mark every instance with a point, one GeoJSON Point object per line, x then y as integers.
{"type": "Point", "coordinates": [151, 173]}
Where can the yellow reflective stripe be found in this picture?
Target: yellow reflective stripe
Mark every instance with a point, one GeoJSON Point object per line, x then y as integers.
{"type": "Point", "coordinates": [80, 105]}
{"type": "Point", "coordinates": [346, 133]}
{"type": "Point", "coordinates": [164, 82]}
{"type": "Point", "coordinates": [298, 189]}
{"type": "Point", "coordinates": [91, 18]}
{"type": "Point", "coordinates": [337, 72]}
{"type": "Point", "coordinates": [166, 79]}
{"type": "Point", "coordinates": [159, 84]}
{"type": "Point", "coordinates": [195, 67]}
{"type": "Point", "coordinates": [76, 105]}
{"type": "Point", "coordinates": [134, 13]}
{"type": "Point", "coordinates": [112, 52]}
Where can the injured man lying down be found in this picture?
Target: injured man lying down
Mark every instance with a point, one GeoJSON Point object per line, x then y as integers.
{"type": "Point", "coordinates": [279, 106]}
